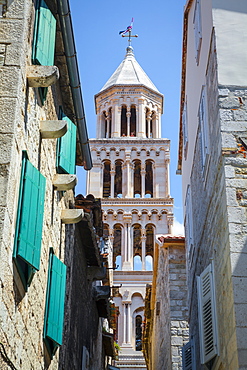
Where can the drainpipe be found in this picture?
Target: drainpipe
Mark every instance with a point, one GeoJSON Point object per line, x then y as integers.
{"type": "Point", "coordinates": [70, 53]}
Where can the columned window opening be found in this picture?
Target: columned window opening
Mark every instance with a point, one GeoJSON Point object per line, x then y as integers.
{"type": "Point", "coordinates": [137, 247]}
{"type": "Point", "coordinates": [149, 247]}
{"type": "Point", "coordinates": [147, 122]}
{"type": "Point", "coordinates": [152, 125]}
{"type": "Point", "coordinates": [105, 124]}
{"type": "Point", "coordinates": [138, 327]}
{"type": "Point", "coordinates": [110, 122]}
{"type": "Point", "coordinates": [124, 121]}
{"type": "Point", "coordinates": [137, 179]}
{"type": "Point", "coordinates": [105, 231]}
{"type": "Point", "coordinates": [117, 244]}
{"type": "Point", "coordinates": [107, 180]}
{"type": "Point", "coordinates": [118, 179]}
{"type": "Point", "coordinates": [149, 180]}
{"type": "Point", "coordinates": [133, 120]}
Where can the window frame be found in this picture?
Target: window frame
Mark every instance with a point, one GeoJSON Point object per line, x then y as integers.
{"type": "Point", "coordinates": [188, 356]}
{"type": "Point", "coordinates": [204, 131]}
{"type": "Point", "coordinates": [185, 129]}
{"type": "Point", "coordinates": [56, 284]}
{"type": "Point", "coordinates": [197, 24]}
{"type": "Point", "coordinates": [66, 161]}
{"type": "Point", "coordinates": [207, 302]}
{"type": "Point", "coordinates": [188, 222]}
{"type": "Point", "coordinates": [26, 252]}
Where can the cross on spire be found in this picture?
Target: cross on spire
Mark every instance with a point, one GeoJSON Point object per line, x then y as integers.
{"type": "Point", "coordinates": [128, 30]}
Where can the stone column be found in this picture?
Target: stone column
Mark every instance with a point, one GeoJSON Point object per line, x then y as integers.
{"type": "Point", "coordinates": [128, 323]}
{"type": "Point", "coordinates": [141, 119]}
{"type": "Point", "coordinates": [127, 217]}
{"type": "Point", "coordinates": [112, 172]}
{"type": "Point", "coordinates": [155, 190]}
{"type": "Point", "coordinates": [143, 173]}
{"type": "Point", "coordinates": [116, 121]}
{"type": "Point", "coordinates": [99, 125]}
{"type": "Point", "coordinates": [107, 126]}
{"type": "Point", "coordinates": [143, 240]}
{"type": "Point", "coordinates": [124, 324]}
{"type": "Point", "coordinates": [127, 177]}
{"type": "Point", "coordinates": [167, 193]}
{"type": "Point", "coordinates": [128, 114]}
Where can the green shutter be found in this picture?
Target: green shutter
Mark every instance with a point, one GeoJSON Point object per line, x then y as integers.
{"type": "Point", "coordinates": [67, 148]}
{"type": "Point", "coordinates": [44, 36]}
{"type": "Point", "coordinates": [31, 216]}
{"type": "Point", "coordinates": [54, 315]}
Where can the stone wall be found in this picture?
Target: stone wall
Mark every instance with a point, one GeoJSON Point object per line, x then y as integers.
{"type": "Point", "coordinates": [22, 313]}
{"type": "Point", "coordinates": [219, 218]}
{"type": "Point", "coordinates": [168, 327]}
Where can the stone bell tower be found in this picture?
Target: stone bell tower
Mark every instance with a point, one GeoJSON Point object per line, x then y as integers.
{"type": "Point", "coordinates": [131, 175]}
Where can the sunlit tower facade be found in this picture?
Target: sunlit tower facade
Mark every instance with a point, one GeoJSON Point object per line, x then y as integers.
{"type": "Point", "coordinates": [131, 175]}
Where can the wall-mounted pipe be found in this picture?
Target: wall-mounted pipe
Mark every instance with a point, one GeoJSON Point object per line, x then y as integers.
{"type": "Point", "coordinates": [70, 53]}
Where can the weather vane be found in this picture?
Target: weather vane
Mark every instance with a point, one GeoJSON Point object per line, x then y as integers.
{"type": "Point", "coordinates": [128, 29]}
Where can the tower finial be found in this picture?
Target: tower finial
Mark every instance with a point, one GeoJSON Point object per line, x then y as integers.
{"type": "Point", "coordinates": [128, 29]}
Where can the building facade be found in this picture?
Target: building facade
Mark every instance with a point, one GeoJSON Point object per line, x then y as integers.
{"type": "Point", "coordinates": [131, 175]}
{"type": "Point", "coordinates": [212, 160]}
{"type": "Point", "coordinates": [166, 311]}
{"type": "Point", "coordinates": [48, 266]}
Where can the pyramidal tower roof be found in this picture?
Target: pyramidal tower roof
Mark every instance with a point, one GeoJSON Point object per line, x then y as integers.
{"type": "Point", "coordinates": [129, 72]}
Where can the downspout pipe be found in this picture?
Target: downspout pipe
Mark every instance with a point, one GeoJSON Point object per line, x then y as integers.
{"type": "Point", "coordinates": [75, 85]}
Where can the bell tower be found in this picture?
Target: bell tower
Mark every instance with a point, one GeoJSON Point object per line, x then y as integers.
{"type": "Point", "coordinates": [131, 174]}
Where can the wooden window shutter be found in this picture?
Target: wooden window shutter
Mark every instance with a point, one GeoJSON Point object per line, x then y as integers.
{"type": "Point", "coordinates": [44, 35]}
{"type": "Point", "coordinates": [30, 215]}
{"type": "Point", "coordinates": [188, 356]}
{"type": "Point", "coordinates": [54, 315]}
{"type": "Point", "coordinates": [207, 315]}
{"type": "Point", "coordinates": [66, 149]}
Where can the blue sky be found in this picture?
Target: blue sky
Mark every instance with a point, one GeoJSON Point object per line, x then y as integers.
{"type": "Point", "coordinates": [158, 48]}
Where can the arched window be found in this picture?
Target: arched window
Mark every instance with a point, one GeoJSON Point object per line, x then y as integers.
{"type": "Point", "coordinates": [148, 119]}
{"type": "Point", "coordinates": [137, 246]}
{"type": "Point", "coordinates": [117, 243]}
{"type": "Point", "coordinates": [123, 121]}
{"type": "Point", "coordinates": [106, 180]}
{"type": "Point", "coordinates": [133, 121]}
{"type": "Point", "coordinates": [138, 333]}
{"type": "Point", "coordinates": [105, 231]}
{"type": "Point", "coordinates": [149, 263]}
{"type": "Point", "coordinates": [137, 179]}
{"type": "Point", "coordinates": [149, 180]}
{"type": "Point", "coordinates": [110, 122]}
{"type": "Point", "coordinates": [118, 180]}
{"type": "Point", "coordinates": [137, 263]}
{"type": "Point", "coordinates": [149, 247]}
{"type": "Point", "coordinates": [118, 263]}
{"type": "Point", "coordinates": [105, 124]}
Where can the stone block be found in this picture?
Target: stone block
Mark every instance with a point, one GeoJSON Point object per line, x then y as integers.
{"type": "Point", "coordinates": [226, 115]}
{"type": "Point", "coordinates": [223, 92]}
{"type": "Point", "coordinates": [238, 264]}
{"type": "Point", "coordinates": [231, 197]}
{"type": "Point", "coordinates": [10, 78]}
{"type": "Point", "coordinates": [175, 324]}
{"type": "Point", "coordinates": [11, 30]}
{"type": "Point", "coordinates": [176, 341]}
{"type": "Point", "coordinates": [236, 214]}
{"type": "Point", "coordinates": [240, 115]}
{"type": "Point", "coordinates": [230, 102]}
{"type": "Point", "coordinates": [228, 141]}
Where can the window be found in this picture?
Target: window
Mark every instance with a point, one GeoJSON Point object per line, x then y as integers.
{"type": "Point", "coordinates": [29, 222]}
{"type": "Point", "coordinates": [207, 314]}
{"type": "Point", "coordinates": [66, 149]}
{"type": "Point", "coordinates": [138, 325]}
{"type": "Point", "coordinates": [188, 356]}
{"type": "Point", "coordinates": [189, 226]}
{"type": "Point", "coordinates": [203, 130]}
{"type": "Point", "coordinates": [54, 310]}
{"type": "Point", "coordinates": [197, 29]}
{"type": "Point", "coordinates": [107, 179]}
{"type": "Point", "coordinates": [185, 129]}
{"type": "Point", "coordinates": [43, 39]}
